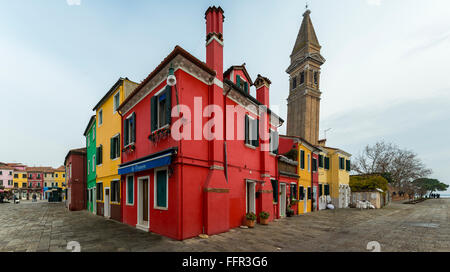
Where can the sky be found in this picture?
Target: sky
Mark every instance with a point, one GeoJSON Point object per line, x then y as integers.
{"type": "Point", "coordinates": [385, 78]}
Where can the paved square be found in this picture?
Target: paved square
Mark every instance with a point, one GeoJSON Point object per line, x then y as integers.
{"type": "Point", "coordinates": [398, 227]}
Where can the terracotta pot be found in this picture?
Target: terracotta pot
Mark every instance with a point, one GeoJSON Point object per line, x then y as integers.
{"type": "Point", "coordinates": [264, 221]}
{"type": "Point", "coordinates": [250, 223]}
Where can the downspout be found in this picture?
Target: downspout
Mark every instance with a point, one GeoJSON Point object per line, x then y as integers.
{"type": "Point", "coordinates": [225, 163]}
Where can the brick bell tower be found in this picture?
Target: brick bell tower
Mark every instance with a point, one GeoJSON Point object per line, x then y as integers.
{"type": "Point", "coordinates": [304, 94]}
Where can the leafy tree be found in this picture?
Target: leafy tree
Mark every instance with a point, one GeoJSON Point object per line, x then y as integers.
{"type": "Point", "coordinates": [368, 183]}
{"type": "Point", "coordinates": [429, 186]}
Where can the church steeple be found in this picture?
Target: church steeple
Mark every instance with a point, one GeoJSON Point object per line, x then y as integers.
{"type": "Point", "coordinates": [304, 95]}
{"type": "Point", "coordinates": [307, 41]}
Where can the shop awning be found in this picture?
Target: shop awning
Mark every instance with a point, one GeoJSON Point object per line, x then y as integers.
{"type": "Point", "coordinates": [155, 160]}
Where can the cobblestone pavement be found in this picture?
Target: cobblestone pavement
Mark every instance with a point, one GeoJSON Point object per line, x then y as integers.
{"type": "Point", "coordinates": [398, 227]}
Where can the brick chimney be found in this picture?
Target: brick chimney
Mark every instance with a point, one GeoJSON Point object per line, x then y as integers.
{"type": "Point", "coordinates": [323, 142]}
{"type": "Point", "coordinates": [214, 39]}
{"type": "Point", "coordinates": [262, 85]}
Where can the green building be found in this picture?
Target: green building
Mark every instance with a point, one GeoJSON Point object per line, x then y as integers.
{"type": "Point", "coordinates": [90, 134]}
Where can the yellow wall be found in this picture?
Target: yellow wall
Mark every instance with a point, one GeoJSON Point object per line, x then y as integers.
{"type": "Point", "coordinates": [111, 126]}
{"type": "Point", "coordinates": [20, 180]}
{"type": "Point", "coordinates": [337, 176]}
{"type": "Point", "coordinates": [305, 177]}
{"type": "Point", "coordinates": [60, 180]}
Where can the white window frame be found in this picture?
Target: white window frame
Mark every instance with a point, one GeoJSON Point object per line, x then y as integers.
{"type": "Point", "coordinates": [251, 120]}
{"type": "Point", "coordinates": [129, 131]}
{"type": "Point", "coordinates": [155, 206]}
{"type": "Point", "coordinates": [309, 162]}
{"type": "Point", "coordinates": [100, 117]}
{"type": "Point", "coordinates": [93, 162]}
{"type": "Point", "coordinates": [114, 102]}
{"type": "Point", "coordinates": [118, 139]}
{"type": "Point", "coordinates": [126, 191]}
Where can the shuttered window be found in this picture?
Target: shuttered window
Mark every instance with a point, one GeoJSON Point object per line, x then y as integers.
{"type": "Point", "coordinates": [341, 163]}
{"type": "Point", "coordinates": [129, 130]}
{"type": "Point", "coordinates": [115, 147]}
{"type": "Point", "coordinates": [320, 189]}
{"type": "Point", "coordinates": [161, 109]}
{"type": "Point", "coordinates": [302, 159]}
{"type": "Point", "coordinates": [161, 189]}
{"type": "Point", "coordinates": [274, 142]}
{"type": "Point", "coordinates": [115, 191]}
{"type": "Point", "coordinates": [347, 165]}
{"type": "Point", "coordinates": [302, 193]}
{"type": "Point", "coordinates": [99, 155]}
{"type": "Point", "coordinates": [327, 163]}
{"type": "Point", "coordinates": [327, 189]}
{"type": "Point", "coordinates": [309, 193]}
{"type": "Point", "coordinates": [320, 161]}
{"type": "Point", "coordinates": [99, 191]}
{"type": "Point", "coordinates": [293, 191]}
{"type": "Point", "coordinates": [275, 190]}
{"type": "Point", "coordinates": [314, 165]}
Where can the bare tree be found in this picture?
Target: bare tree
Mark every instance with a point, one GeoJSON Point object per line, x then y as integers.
{"type": "Point", "coordinates": [403, 165]}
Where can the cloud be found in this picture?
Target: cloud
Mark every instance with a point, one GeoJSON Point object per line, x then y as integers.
{"type": "Point", "coordinates": [374, 2]}
{"type": "Point", "coordinates": [73, 2]}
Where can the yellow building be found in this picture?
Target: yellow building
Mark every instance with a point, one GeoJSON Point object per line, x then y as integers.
{"type": "Point", "coordinates": [305, 151]}
{"type": "Point", "coordinates": [108, 141]}
{"type": "Point", "coordinates": [20, 181]}
{"type": "Point", "coordinates": [323, 171]}
{"type": "Point", "coordinates": [60, 177]}
{"type": "Point", "coordinates": [339, 177]}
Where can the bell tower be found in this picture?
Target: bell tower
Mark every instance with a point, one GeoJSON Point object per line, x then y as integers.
{"type": "Point", "coordinates": [304, 88]}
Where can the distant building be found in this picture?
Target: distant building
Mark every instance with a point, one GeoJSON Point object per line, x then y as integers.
{"type": "Point", "coordinates": [75, 163]}
{"type": "Point", "coordinates": [91, 175]}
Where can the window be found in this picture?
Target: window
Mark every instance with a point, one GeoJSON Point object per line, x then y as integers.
{"type": "Point", "coordinates": [274, 142]}
{"type": "Point", "coordinates": [93, 163]}
{"type": "Point", "coordinates": [309, 193]}
{"type": "Point", "coordinates": [39, 176]}
{"type": "Point", "coordinates": [24, 175]}
{"type": "Point", "coordinates": [302, 77]}
{"type": "Point", "coordinates": [314, 165]}
{"type": "Point", "coordinates": [293, 191]}
{"type": "Point", "coordinates": [316, 78]}
{"type": "Point", "coordinates": [242, 84]}
{"type": "Point", "coordinates": [16, 185]}
{"type": "Point", "coordinates": [309, 163]}
{"type": "Point", "coordinates": [10, 173]}
{"type": "Point", "coordinates": [327, 189]}
{"type": "Point", "coordinates": [130, 190]}
{"type": "Point", "coordinates": [10, 182]}
{"type": "Point", "coordinates": [64, 175]}
{"type": "Point", "coordinates": [161, 190]}
{"type": "Point", "coordinates": [30, 176]}
{"type": "Point", "coordinates": [99, 191]}
{"type": "Point", "coordinates": [251, 131]}
{"type": "Point", "coordinates": [320, 161]}
{"type": "Point", "coordinates": [45, 184]}
{"type": "Point", "coordinates": [347, 165]}
{"type": "Point", "coordinates": [30, 185]}
{"type": "Point", "coordinates": [115, 147]}
{"type": "Point", "coordinates": [89, 167]}
{"type": "Point", "coordinates": [302, 159]}
{"type": "Point", "coordinates": [161, 109]}
{"type": "Point", "coordinates": [129, 130]}
{"type": "Point", "coordinates": [56, 175]}
{"type": "Point", "coordinates": [16, 176]}
{"type": "Point", "coordinates": [320, 189]}
{"type": "Point", "coordinates": [1, 182]}
{"type": "Point", "coordinates": [115, 191]}
{"type": "Point", "coordinates": [100, 117]}
{"type": "Point", "coordinates": [1, 172]}
{"type": "Point", "coordinates": [24, 184]}
{"type": "Point", "coordinates": [39, 185]}
{"type": "Point", "coordinates": [301, 194]}
{"type": "Point", "coordinates": [99, 155]}
{"type": "Point", "coordinates": [275, 190]}
{"type": "Point", "coordinates": [294, 83]}
{"type": "Point", "coordinates": [327, 163]}
{"type": "Point", "coordinates": [116, 101]}
{"type": "Point", "coordinates": [341, 163]}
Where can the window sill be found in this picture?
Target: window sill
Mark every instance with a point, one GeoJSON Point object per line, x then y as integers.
{"type": "Point", "coordinates": [130, 204]}
{"type": "Point", "coordinates": [161, 208]}
{"type": "Point", "coordinates": [250, 146]}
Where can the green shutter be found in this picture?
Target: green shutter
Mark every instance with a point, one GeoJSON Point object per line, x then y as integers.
{"type": "Point", "coordinates": [133, 131]}
{"type": "Point", "coordinates": [125, 133]}
{"type": "Point", "coordinates": [256, 141]}
{"type": "Point", "coordinates": [130, 190]}
{"type": "Point", "coordinates": [348, 165]}
{"type": "Point", "coordinates": [169, 104]}
{"type": "Point", "coordinates": [161, 189]}
{"type": "Point", "coordinates": [112, 147]}
{"type": "Point", "coordinates": [238, 80]}
{"type": "Point", "coordinates": [302, 159]}
{"type": "Point", "coordinates": [247, 141]}
{"type": "Point", "coordinates": [246, 87]}
{"type": "Point", "coordinates": [153, 109]}
{"type": "Point", "coordinates": [275, 190]}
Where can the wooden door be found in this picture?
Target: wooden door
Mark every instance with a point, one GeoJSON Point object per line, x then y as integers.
{"type": "Point", "coordinates": [145, 200]}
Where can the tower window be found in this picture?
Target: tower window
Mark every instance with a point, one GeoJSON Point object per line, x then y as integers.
{"type": "Point", "coordinates": [302, 77]}
{"type": "Point", "coordinates": [294, 83]}
{"type": "Point", "coordinates": [316, 78]}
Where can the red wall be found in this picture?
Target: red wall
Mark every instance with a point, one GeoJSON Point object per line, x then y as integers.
{"type": "Point", "coordinates": [185, 217]}
{"type": "Point", "coordinates": [77, 182]}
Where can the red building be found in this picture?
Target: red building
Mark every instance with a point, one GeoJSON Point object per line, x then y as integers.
{"type": "Point", "coordinates": [35, 181]}
{"type": "Point", "coordinates": [197, 155]}
{"type": "Point", "coordinates": [75, 163]}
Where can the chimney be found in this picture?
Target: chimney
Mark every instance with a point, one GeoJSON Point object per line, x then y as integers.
{"type": "Point", "coordinates": [322, 142]}
{"type": "Point", "coordinates": [262, 85]}
{"type": "Point", "coordinates": [214, 39]}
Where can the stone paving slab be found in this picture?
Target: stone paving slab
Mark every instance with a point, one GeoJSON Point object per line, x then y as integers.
{"type": "Point", "coordinates": [48, 227]}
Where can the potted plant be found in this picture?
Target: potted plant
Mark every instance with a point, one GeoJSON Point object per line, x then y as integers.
{"type": "Point", "coordinates": [264, 218]}
{"type": "Point", "coordinates": [289, 212]}
{"type": "Point", "coordinates": [250, 220]}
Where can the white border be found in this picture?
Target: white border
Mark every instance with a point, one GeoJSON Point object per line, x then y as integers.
{"type": "Point", "coordinates": [155, 206]}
